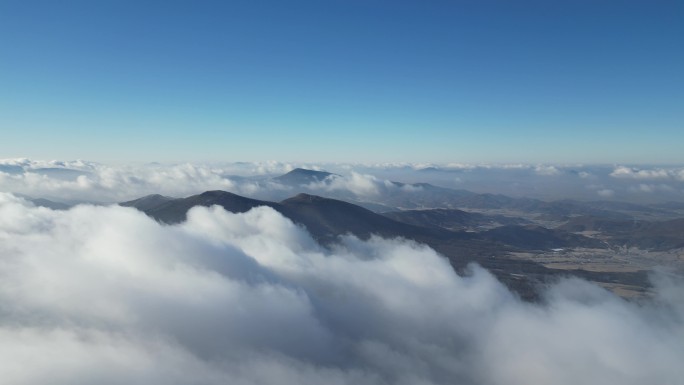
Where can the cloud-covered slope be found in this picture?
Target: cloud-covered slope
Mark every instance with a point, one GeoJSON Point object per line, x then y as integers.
{"type": "Point", "coordinates": [107, 295]}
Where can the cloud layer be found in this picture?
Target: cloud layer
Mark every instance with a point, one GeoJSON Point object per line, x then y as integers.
{"type": "Point", "coordinates": [652, 173]}
{"type": "Point", "coordinates": [106, 295]}
{"type": "Point", "coordinates": [81, 181]}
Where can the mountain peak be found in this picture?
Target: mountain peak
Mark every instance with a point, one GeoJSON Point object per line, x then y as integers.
{"type": "Point", "coordinates": [147, 202]}
{"type": "Point", "coordinates": [306, 171]}
{"type": "Point", "coordinates": [300, 176]}
{"type": "Point", "coordinates": [303, 197]}
{"type": "Point", "coordinates": [216, 194]}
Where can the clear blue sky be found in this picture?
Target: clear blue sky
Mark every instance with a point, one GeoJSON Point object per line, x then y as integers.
{"type": "Point", "coordinates": [464, 81]}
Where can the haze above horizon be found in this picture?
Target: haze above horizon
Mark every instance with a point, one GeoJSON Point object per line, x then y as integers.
{"type": "Point", "coordinates": [343, 81]}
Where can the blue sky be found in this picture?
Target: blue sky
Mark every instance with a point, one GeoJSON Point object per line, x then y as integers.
{"type": "Point", "coordinates": [353, 81]}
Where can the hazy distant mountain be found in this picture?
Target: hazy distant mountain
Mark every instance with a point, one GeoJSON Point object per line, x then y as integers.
{"type": "Point", "coordinates": [603, 225]}
{"type": "Point", "coordinates": [147, 202]}
{"type": "Point", "coordinates": [11, 169]}
{"type": "Point", "coordinates": [533, 237]}
{"type": "Point", "coordinates": [424, 195]}
{"type": "Point", "coordinates": [452, 219]}
{"type": "Point", "coordinates": [374, 207]}
{"type": "Point", "coordinates": [49, 204]}
{"type": "Point", "coordinates": [625, 207]}
{"type": "Point", "coordinates": [59, 173]}
{"type": "Point", "coordinates": [495, 201]}
{"type": "Point", "coordinates": [669, 206]}
{"type": "Point", "coordinates": [389, 195]}
{"type": "Point", "coordinates": [554, 210]}
{"type": "Point", "coordinates": [42, 202]}
{"type": "Point", "coordinates": [301, 176]}
{"type": "Point", "coordinates": [656, 235]}
{"type": "Point", "coordinates": [429, 196]}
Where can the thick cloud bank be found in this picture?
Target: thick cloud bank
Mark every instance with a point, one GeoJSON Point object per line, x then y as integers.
{"type": "Point", "coordinates": [82, 181]}
{"type": "Point", "coordinates": [105, 295]}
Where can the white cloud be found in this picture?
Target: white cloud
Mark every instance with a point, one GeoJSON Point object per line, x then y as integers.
{"type": "Point", "coordinates": [635, 173]}
{"type": "Point", "coordinates": [606, 193]}
{"type": "Point", "coordinates": [650, 187]}
{"type": "Point", "coordinates": [106, 295]}
{"type": "Point", "coordinates": [115, 183]}
{"type": "Point", "coordinates": [112, 183]}
{"type": "Point", "coordinates": [546, 170]}
{"type": "Point", "coordinates": [360, 185]}
{"type": "Point", "coordinates": [679, 175]}
{"type": "Point", "coordinates": [31, 164]}
{"type": "Point", "coordinates": [83, 181]}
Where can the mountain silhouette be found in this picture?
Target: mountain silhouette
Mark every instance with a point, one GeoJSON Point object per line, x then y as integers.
{"type": "Point", "coordinates": [301, 176]}
{"type": "Point", "coordinates": [326, 219]}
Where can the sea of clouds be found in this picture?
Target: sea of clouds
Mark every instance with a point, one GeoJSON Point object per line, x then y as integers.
{"type": "Point", "coordinates": [106, 295]}
{"type": "Point", "coordinates": [82, 181]}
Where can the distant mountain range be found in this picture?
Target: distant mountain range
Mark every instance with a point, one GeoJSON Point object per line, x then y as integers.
{"type": "Point", "coordinates": [326, 219]}
{"type": "Point", "coordinates": [174, 210]}
{"type": "Point", "coordinates": [462, 225]}
{"type": "Point", "coordinates": [453, 219]}
{"type": "Point", "coordinates": [427, 196]}
{"type": "Point", "coordinates": [657, 235]}
{"type": "Point", "coordinates": [40, 202]}
{"type": "Point", "coordinates": [394, 196]}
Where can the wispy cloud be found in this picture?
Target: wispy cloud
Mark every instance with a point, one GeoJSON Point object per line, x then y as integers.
{"type": "Point", "coordinates": [650, 187]}
{"type": "Point", "coordinates": [654, 173]}
{"type": "Point", "coordinates": [606, 193]}
{"type": "Point", "coordinates": [547, 170]}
